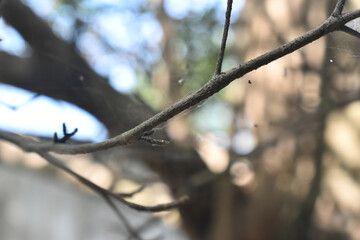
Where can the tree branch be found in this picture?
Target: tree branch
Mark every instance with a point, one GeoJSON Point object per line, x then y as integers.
{"type": "Point", "coordinates": [338, 8]}
{"type": "Point", "coordinates": [350, 31]}
{"type": "Point", "coordinates": [43, 73]}
{"type": "Point", "coordinates": [214, 85]}
{"type": "Point", "coordinates": [224, 38]}
{"type": "Point", "coordinates": [121, 216]}
{"type": "Point", "coordinates": [347, 17]}
{"type": "Point", "coordinates": [124, 195]}
{"type": "Point", "coordinates": [101, 191]}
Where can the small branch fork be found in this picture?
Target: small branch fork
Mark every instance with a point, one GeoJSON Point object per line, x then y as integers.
{"type": "Point", "coordinates": [337, 13]}
{"type": "Point", "coordinates": [66, 136]}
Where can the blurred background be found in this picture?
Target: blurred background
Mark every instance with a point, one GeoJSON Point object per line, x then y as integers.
{"type": "Point", "coordinates": [275, 155]}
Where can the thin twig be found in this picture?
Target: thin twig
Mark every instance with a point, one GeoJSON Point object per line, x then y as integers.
{"type": "Point", "coordinates": [156, 208]}
{"type": "Point", "coordinates": [224, 38]}
{"type": "Point", "coordinates": [102, 192]}
{"type": "Point", "coordinates": [96, 188]}
{"type": "Point", "coordinates": [121, 217]}
{"type": "Point", "coordinates": [351, 31]}
{"type": "Point", "coordinates": [126, 195]}
{"type": "Point", "coordinates": [107, 195]}
{"type": "Point", "coordinates": [348, 16]}
{"type": "Point", "coordinates": [338, 8]}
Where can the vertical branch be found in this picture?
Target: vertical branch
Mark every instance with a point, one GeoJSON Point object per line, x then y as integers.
{"type": "Point", "coordinates": [338, 8]}
{"type": "Point", "coordinates": [224, 38]}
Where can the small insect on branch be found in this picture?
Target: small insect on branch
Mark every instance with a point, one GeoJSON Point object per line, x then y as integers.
{"type": "Point", "coordinates": [66, 136]}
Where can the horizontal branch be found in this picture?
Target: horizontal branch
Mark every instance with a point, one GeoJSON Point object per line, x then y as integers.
{"type": "Point", "coordinates": [28, 144]}
{"type": "Point", "coordinates": [335, 22]}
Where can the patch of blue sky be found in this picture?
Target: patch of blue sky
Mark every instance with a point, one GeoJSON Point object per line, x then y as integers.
{"type": "Point", "coordinates": [44, 10]}
{"type": "Point", "coordinates": [63, 22]}
{"type": "Point", "coordinates": [123, 78]}
{"type": "Point", "coordinates": [134, 34]}
{"type": "Point", "coordinates": [121, 29]}
{"type": "Point", "coordinates": [180, 9]}
{"type": "Point", "coordinates": [12, 42]}
{"type": "Point", "coordinates": [103, 64]}
{"type": "Point", "coordinates": [43, 116]}
{"type": "Point", "coordinates": [13, 96]}
{"type": "Point", "coordinates": [115, 28]}
{"type": "Point", "coordinates": [243, 141]}
{"type": "Point", "coordinates": [134, 4]}
{"type": "Point", "coordinates": [91, 46]}
{"type": "Point", "coordinates": [150, 29]}
{"type": "Point", "coordinates": [207, 117]}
